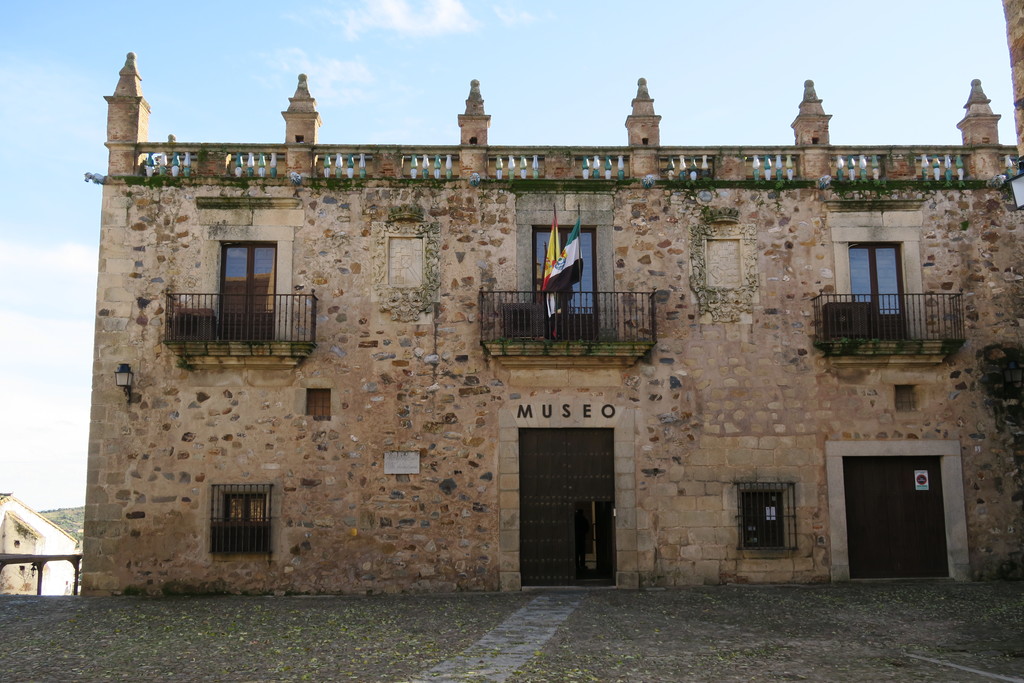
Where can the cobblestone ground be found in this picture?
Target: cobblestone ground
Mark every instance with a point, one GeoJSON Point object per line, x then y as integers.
{"type": "Point", "coordinates": [929, 631]}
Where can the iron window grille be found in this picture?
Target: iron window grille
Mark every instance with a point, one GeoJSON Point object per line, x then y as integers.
{"type": "Point", "coordinates": [318, 403]}
{"type": "Point", "coordinates": [767, 515]}
{"type": "Point", "coordinates": [240, 518]}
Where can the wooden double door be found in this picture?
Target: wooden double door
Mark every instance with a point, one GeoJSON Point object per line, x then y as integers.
{"type": "Point", "coordinates": [895, 518]}
{"type": "Point", "coordinates": [566, 476]}
{"type": "Point", "coordinates": [248, 284]}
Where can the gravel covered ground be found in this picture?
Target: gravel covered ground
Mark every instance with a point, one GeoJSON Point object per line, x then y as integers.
{"type": "Point", "coordinates": [845, 632]}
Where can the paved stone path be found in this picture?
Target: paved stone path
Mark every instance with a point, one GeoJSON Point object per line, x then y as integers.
{"type": "Point", "coordinates": [986, 674]}
{"type": "Point", "coordinates": [895, 632]}
{"type": "Point", "coordinates": [511, 644]}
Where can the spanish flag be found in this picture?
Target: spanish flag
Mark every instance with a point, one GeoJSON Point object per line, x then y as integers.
{"type": "Point", "coordinates": [550, 260]}
{"type": "Point", "coordinates": [553, 252]}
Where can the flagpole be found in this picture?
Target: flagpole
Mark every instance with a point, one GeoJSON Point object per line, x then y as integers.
{"type": "Point", "coordinates": [579, 220]}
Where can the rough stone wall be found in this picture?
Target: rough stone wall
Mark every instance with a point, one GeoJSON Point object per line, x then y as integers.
{"type": "Point", "coordinates": [716, 402]}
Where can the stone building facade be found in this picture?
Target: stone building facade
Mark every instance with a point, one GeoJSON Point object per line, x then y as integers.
{"type": "Point", "coordinates": [792, 363]}
{"type": "Point", "coordinates": [25, 535]}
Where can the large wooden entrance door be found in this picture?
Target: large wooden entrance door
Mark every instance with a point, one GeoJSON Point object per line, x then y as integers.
{"type": "Point", "coordinates": [561, 471]}
{"type": "Point", "coordinates": [894, 517]}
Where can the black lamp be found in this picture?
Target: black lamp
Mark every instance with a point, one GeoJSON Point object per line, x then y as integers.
{"type": "Point", "coordinates": [123, 377]}
{"type": "Point", "coordinates": [1017, 185]}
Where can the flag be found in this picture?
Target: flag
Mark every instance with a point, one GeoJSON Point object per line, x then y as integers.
{"type": "Point", "coordinates": [553, 251]}
{"type": "Point", "coordinates": [568, 269]}
{"type": "Point", "coordinates": [550, 259]}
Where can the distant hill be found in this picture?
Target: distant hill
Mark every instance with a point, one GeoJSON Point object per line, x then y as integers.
{"type": "Point", "coordinates": [68, 519]}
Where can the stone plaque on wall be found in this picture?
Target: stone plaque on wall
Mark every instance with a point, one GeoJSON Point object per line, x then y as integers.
{"type": "Point", "coordinates": [405, 261]}
{"type": "Point", "coordinates": [401, 462]}
{"type": "Point", "coordinates": [724, 266]}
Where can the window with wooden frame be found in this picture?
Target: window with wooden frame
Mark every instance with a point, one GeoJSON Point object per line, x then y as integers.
{"type": "Point", "coordinates": [318, 403]}
{"type": "Point", "coordinates": [766, 515]}
{"type": "Point", "coordinates": [247, 290]}
{"type": "Point", "coordinates": [240, 518]}
{"type": "Point", "coordinates": [876, 282]}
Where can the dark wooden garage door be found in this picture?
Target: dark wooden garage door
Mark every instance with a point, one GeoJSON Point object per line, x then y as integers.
{"type": "Point", "coordinates": [558, 468]}
{"type": "Point", "coordinates": [895, 527]}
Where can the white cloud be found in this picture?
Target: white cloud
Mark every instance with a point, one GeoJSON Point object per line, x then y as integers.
{"type": "Point", "coordinates": [331, 81]}
{"type": "Point", "coordinates": [510, 16]}
{"type": "Point", "coordinates": [426, 18]}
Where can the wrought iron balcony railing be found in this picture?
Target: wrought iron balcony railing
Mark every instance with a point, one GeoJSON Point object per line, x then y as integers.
{"type": "Point", "coordinates": [240, 318]}
{"type": "Point", "coordinates": [858, 324]}
{"type": "Point", "coordinates": [588, 317]}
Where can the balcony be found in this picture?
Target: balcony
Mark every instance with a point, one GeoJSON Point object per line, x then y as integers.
{"type": "Point", "coordinates": [272, 331]}
{"type": "Point", "coordinates": [589, 329]}
{"type": "Point", "coordinates": [889, 328]}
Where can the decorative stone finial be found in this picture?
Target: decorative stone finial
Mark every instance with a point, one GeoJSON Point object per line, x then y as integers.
{"type": "Point", "coordinates": [641, 89]}
{"type": "Point", "coordinates": [127, 118]}
{"type": "Point", "coordinates": [643, 125]}
{"type": "Point", "coordinates": [977, 97]}
{"type": "Point", "coordinates": [130, 83]}
{"type": "Point", "coordinates": [302, 122]}
{"type": "Point", "coordinates": [811, 125]}
{"type": "Point", "coordinates": [302, 100]}
{"type": "Point", "coordinates": [643, 105]}
{"type": "Point", "coordinates": [474, 123]}
{"type": "Point", "coordinates": [172, 139]}
{"type": "Point", "coordinates": [475, 101]}
{"type": "Point", "coordinates": [979, 125]}
{"type": "Point", "coordinates": [809, 94]}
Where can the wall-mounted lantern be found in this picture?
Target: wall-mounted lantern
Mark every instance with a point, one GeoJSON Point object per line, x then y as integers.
{"type": "Point", "coordinates": [123, 377]}
{"type": "Point", "coordinates": [1017, 185]}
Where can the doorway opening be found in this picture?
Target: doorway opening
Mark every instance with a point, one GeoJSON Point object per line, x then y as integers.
{"type": "Point", "coordinates": [567, 507]}
{"type": "Point", "coordinates": [595, 541]}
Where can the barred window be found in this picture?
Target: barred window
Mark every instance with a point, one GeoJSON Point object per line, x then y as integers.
{"type": "Point", "coordinates": [767, 515]}
{"type": "Point", "coordinates": [240, 518]}
{"type": "Point", "coordinates": [904, 398]}
{"type": "Point", "coordinates": [318, 403]}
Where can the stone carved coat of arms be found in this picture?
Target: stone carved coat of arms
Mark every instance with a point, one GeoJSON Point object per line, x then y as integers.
{"type": "Point", "coordinates": [406, 275]}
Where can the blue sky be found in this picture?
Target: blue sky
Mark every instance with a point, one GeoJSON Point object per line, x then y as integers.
{"type": "Point", "coordinates": [398, 71]}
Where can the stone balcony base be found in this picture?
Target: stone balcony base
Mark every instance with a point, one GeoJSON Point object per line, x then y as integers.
{"type": "Point", "coordinates": [548, 354]}
{"type": "Point", "coordinates": [270, 355]}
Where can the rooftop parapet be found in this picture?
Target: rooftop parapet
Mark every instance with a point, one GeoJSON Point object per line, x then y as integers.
{"type": "Point", "coordinates": [812, 159]}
